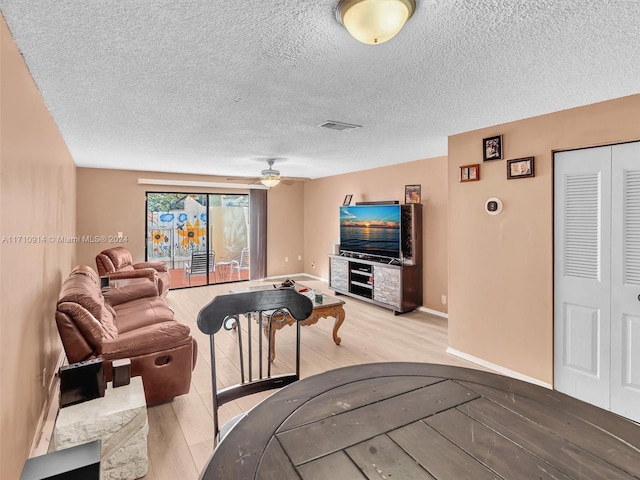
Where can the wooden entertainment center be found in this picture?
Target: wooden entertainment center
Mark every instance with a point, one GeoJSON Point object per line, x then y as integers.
{"type": "Point", "coordinates": [396, 285]}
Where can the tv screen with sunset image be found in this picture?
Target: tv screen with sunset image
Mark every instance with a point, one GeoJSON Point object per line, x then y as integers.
{"type": "Point", "coordinates": [370, 230]}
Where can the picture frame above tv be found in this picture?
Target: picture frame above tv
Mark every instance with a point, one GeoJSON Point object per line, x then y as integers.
{"type": "Point", "coordinates": [412, 194]}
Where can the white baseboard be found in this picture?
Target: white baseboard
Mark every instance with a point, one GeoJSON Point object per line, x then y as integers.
{"type": "Point", "coordinates": [433, 312]}
{"type": "Point", "coordinates": [297, 275]}
{"type": "Point", "coordinates": [499, 369]}
{"type": "Point", "coordinates": [47, 420]}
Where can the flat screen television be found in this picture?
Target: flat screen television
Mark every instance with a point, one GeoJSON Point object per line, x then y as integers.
{"type": "Point", "coordinates": [371, 230]}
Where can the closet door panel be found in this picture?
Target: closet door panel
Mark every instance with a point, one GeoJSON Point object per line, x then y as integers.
{"type": "Point", "coordinates": [625, 281]}
{"type": "Point", "coordinates": [582, 193]}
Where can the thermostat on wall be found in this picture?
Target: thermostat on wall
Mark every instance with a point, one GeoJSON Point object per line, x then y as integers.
{"type": "Point", "coordinates": [493, 206]}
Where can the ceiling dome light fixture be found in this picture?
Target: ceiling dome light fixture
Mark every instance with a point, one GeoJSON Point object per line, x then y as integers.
{"type": "Point", "coordinates": [374, 21]}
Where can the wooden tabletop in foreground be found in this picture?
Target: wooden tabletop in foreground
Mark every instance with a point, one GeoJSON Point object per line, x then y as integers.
{"type": "Point", "coordinates": [424, 421]}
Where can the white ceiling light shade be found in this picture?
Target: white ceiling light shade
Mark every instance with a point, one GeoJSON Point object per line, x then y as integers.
{"type": "Point", "coordinates": [270, 180]}
{"type": "Point", "coordinates": [374, 21]}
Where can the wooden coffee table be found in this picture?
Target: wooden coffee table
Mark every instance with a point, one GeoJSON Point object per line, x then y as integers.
{"type": "Point", "coordinates": [330, 307]}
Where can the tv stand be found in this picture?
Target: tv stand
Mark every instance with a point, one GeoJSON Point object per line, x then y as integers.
{"type": "Point", "coordinates": [384, 281]}
{"type": "Point", "coordinates": [398, 287]}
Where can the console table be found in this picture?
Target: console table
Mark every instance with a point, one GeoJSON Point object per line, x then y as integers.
{"type": "Point", "coordinates": [119, 419]}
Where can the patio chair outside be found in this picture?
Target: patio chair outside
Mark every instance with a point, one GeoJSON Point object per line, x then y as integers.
{"type": "Point", "coordinates": [198, 264]}
{"type": "Point", "coordinates": [243, 263]}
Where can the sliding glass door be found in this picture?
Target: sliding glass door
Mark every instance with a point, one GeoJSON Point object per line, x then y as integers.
{"type": "Point", "coordinates": [229, 235]}
{"type": "Point", "coordinates": [201, 237]}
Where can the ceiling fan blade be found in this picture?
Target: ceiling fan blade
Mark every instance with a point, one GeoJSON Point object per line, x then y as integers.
{"type": "Point", "coordinates": [292, 180]}
{"type": "Point", "coordinates": [245, 179]}
{"type": "Point", "coordinates": [298, 179]}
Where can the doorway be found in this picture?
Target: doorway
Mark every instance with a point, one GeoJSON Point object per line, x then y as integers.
{"type": "Point", "coordinates": [200, 236]}
{"type": "Point", "coordinates": [597, 276]}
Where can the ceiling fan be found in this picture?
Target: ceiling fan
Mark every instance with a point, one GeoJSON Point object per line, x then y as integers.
{"type": "Point", "coordinates": [270, 177]}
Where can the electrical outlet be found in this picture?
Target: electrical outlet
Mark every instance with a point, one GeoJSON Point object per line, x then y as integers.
{"type": "Point", "coordinates": [299, 257]}
{"type": "Point", "coordinates": [286, 259]}
{"type": "Point", "coordinates": [443, 299]}
{"type": "Point", "coordinates": [120, 235]}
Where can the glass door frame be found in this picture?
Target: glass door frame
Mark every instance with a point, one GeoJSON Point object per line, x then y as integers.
{"type": "Point", "coordinates": [171, 238]}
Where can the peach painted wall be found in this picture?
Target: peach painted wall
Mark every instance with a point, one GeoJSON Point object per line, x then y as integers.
{"type": "Point", "coordinates": [37, 200]}
{"type": "Point", "coordinates": [322, 198]}
{"type": "Point", "coordinates": [501, 267]}
{"type": "Point", "coordinates": [285, 232]}
{"type": "Point", "coordinates": [112, 201]}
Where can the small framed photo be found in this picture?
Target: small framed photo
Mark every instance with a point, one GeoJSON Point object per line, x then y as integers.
{"type": "Point", "coordinates": [347, 200]}
{"type": "Point", "coordinates": [492, 148]}
{"type": "Point", "coordinates": [470, 173]}
{"type": "Point", "coordinates": [412, 194]}
{"type": "Point", "coordinates": [521, 168]}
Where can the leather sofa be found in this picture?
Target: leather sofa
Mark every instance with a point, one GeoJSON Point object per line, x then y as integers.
{"type": "Point", "coordinates": [131, 322]}
{"type": "Point", "coordinates": [117, 263]}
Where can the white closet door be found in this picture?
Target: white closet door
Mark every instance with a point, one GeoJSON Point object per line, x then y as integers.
{"type": "Point", "coordinates": [625, 281]}
{"type": "Point", "coordinates": [582, 235]}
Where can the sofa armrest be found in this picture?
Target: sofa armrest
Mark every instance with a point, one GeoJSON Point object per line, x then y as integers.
{"type": "Point", "coordinates": [159, 266]}
{"type": "Point", "coordinates": [148, 339]}
{"type": "Point", "coordinates": [149, 273]}
{"type": "Point", "coordinates": [116, 296]}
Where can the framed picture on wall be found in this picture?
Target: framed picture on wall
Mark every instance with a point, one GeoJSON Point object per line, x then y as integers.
{"type": "Point", "coordinates": [521, 168]}
{"type": "Point", "coordinates": [470, 173]}
{"type": "Point", "coordinates": [492, 148]}
{"type": "Point", "coordinates": [412, 194]}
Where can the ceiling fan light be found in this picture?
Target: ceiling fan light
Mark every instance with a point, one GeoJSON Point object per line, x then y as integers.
{"type": "Point", "coordinates": [374, 21]}
{"type": "Point", "coordinates": [270, 181]}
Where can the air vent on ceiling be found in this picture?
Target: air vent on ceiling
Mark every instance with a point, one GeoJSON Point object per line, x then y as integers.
{"type": "Point", "coordinates": [339, 125]}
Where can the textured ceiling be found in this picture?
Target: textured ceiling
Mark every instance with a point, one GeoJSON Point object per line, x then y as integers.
{"type": "Point", "coordinates": [215, 87]}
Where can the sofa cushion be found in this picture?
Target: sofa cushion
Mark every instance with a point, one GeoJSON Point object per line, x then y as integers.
{"type": "Point", "coordinates": [75, 343]}
{"type": "Point", "coordinates": [108, 321]}
{"type": "Point", "coordinates": [104, 264]}
{"type": "Point", "coordinates": [142, 312]}
{"type": "Point", "coordinates": [93, 330]}
{"type": "Point", "coordinates": [120, 256]}
{"type": "Point", "coordinates": [81, 289]}
{"type": "Point", "coordinates": [131, 289]}
{"type": "Point", "coordinates": [155, 264]}
{"type": "Point", "coordinates": [149, 339]}
{"type": "Point", "coordinates": [88, 272]}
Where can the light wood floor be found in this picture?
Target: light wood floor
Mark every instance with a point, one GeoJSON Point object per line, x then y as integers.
{"type": "Point", "coordinates": [180, 437]}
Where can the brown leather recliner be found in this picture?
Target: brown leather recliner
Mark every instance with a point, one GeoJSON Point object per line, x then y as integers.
{"type": "Point", "coordinates": [131, 322]}
{"type": "Point", "coordinates": [117, 263]}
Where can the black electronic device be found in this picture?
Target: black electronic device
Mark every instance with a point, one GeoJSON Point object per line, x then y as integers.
{"type": "Point", "coordinates": [372, 231]}
{"type": "Point", "coordinates": [81, 462]}
{"type": "Point", "coordinates": [104, 283]}
{"type": "Point", "coordinates": [81, 381]}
